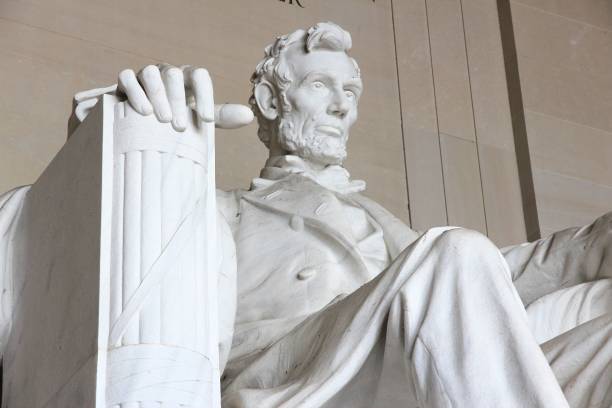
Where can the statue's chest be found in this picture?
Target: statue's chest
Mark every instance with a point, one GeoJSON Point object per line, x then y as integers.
{"type": "Point", "coordinates": [289, 265]}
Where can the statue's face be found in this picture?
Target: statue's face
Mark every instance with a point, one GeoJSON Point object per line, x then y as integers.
{"type": "Point", "coordinates": [324, 96]}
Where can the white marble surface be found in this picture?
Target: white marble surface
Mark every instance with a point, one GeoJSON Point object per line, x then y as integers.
{"type": "Point", "coordinates": [59, 264]}
{"type": "Point", "coordinates": [163, 336]}
{"type": "Point", "coordinates": [336, 302]}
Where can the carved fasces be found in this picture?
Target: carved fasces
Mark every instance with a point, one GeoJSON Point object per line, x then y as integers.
{"type": "Point", "coordinates": [163, 336]}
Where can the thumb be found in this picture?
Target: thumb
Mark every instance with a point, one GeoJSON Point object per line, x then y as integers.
{"type": "Point", "coordinates": [232, 116]}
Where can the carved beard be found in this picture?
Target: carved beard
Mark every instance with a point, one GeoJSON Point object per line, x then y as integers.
{"type": "Point", "coordinates": [310, 145]}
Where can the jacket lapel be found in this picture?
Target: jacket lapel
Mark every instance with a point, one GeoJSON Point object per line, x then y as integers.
{"type": "Point", "coordinates": [299, 196]}
{"type": "Point", "coordinates": [397, 235]}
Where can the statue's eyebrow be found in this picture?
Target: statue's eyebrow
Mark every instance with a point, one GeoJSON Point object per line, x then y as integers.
{"type": "Point", "coordinates": [315, 74]}
{"type": "Point", "coordinates": [355, 82]}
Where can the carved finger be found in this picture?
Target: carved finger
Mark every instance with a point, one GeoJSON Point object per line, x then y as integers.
{"type": "Point", "coordinates": [175, 89]}
{"type": "Point", "coordinates": [129, 85]}
{"type": "Point", "coordinates": [202, 88]}
{"type": "Point", "coordinates": [232, 116]}
{"type": "Point", "coordinates": [151, 80]}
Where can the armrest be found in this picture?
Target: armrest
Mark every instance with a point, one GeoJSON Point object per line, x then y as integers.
{"type": "Point", "coordinates": [83, 102]}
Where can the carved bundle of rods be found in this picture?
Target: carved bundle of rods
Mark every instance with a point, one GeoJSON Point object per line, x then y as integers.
{"type": "Point", "coordinates": [163, 336]}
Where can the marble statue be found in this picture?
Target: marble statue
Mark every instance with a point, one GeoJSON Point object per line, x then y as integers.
{"type": "Point", "coordinates": [328, 300]}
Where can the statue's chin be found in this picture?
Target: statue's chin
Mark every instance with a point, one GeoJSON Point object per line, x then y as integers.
{"type": "Point", "coordinates": [313, 147]}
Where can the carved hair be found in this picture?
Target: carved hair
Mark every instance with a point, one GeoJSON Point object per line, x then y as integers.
{"type": "Point", "coordinates": [275, 70]}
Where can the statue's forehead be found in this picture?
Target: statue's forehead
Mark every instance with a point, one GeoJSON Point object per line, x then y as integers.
{"type": "Point", "coordinates": [330, 62]}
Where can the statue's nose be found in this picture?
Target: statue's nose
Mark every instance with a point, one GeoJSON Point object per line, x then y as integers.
{"type": "Point", "coordinates": [340, 105]}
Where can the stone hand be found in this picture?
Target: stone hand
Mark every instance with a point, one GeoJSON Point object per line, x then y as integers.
{"type": "Point", "coordinates": [168, 91]}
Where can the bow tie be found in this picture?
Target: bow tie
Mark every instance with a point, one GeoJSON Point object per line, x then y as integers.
{"type": "Point", "coordinates": [332, 177]}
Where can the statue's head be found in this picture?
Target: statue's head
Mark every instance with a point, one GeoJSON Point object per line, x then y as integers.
{"type": "Point", "coordinates": [305, 94]}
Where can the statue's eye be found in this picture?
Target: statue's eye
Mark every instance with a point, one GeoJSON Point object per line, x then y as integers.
{"type": "Point", "coordinates": [350, 94]}
{"type": "Point", "coordinates": [318, 85]}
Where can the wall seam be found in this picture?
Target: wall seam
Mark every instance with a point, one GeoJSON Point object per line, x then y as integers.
{"type": "Point", "coordinates": [435, 98]}
{"type": "Point", "coordinates": [469, 75]}
{"type": "Point", "coordinates": [399, 93]}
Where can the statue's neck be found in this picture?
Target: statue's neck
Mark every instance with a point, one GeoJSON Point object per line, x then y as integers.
{"type": "Point", "coordinates": [333, 177]}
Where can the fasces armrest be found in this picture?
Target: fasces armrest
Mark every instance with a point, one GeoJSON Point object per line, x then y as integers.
{"type": "Point", "coordinates": [164, 318]}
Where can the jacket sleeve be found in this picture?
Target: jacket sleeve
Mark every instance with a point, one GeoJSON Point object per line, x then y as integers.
{"type": "Point", "coordinates": [561, 260]}
{"type": "Point", "coordinates": [227, 204]}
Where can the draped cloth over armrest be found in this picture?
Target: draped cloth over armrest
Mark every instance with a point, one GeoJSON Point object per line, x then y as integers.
{"type": "Point", "coordinates": [561, 260]}
{"type": "Point", "coordinates": [10, 206]}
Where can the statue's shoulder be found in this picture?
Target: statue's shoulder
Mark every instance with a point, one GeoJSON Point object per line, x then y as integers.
{"type": "Point", "coordinates": [397, 234]}
{"type": "Point", "coordinates": [373, 207]}
{"type": "Point", "coordinates": [228, 205]}
{"type": "Point", "coordinates": [11, 203]}
{"type": "Point", "coordinates": [12, 199]}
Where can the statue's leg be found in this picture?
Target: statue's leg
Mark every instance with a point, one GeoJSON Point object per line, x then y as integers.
{"type": "Point", "coordinates": [564, 309]}
{"type": "Point", "coordinates": [563, 259]}
{"type": "Point", "coordinates": [582, 361]}
{"type": "Point", "coordinates": [465, 331]}
{"type": "Point", "coordinates": [443, 322]}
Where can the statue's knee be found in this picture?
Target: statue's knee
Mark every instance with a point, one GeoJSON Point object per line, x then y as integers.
{"type": "Point", "coordinates": [600, 231]}
{"type": "Point", "coordinates": [462, 240]}
{"type": "Point", "coordinates": [470, 254]}
{"type": "Point", "coordinates": [605, 222]}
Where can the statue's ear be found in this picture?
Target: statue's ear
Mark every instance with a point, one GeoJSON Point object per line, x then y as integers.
{"type": "Point", "coordinates": [265, 96]}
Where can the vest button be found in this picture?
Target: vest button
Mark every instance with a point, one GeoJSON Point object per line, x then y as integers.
{"type": "Point", "coordinates": [296, 223]}
{"type": "Point", "coordinates": [306, 273]}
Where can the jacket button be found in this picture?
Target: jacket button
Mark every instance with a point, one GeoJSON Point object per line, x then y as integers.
{"type": "Point", "coordinates": [306, 273]}
{"type": "Point", "coordinates": [297, 223]}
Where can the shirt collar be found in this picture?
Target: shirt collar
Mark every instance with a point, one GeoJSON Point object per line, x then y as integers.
{"type": "Point", "coordinates": [332, 177]}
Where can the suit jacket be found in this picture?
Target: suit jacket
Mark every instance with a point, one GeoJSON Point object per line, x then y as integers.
{"type": "Point", "coordinates": [296, 253]}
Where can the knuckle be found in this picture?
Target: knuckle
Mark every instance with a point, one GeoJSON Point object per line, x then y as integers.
{"type": "Point", "coordinates": [126, 74]}
{"type": "Point", "coordinates": [150, 72]}
{"type": "Point", "coordinates": [174, 74]}
{"type": "Point", "coordinates": [199, 74]}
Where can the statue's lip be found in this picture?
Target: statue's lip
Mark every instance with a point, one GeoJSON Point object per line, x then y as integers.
{"type": "Point", "coordinates": [330, 130]}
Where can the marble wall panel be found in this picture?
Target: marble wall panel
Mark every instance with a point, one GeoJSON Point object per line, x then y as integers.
{"type": "Point", "coordinates": [419, 116]}
{"type": "Point", "coordinates": [502, 193]}
{"type": "Point", "coordinates": [462, 183]}
{"type": "Point", "coordinates": [595, 12]}
{"type": "Point", "coordinates": [568, 148]}
{"type": "Point", "coordinates": [563, 42]}
{"type": "Point", "coordinates": [425, 179]}
{"type": "Point", "coordinates": [564, 56]}
{"type": "Point", "coordinates": [489, 88]}
{"type": "Point", "coordinates": [566, 93]}
{"type": "Point", "coordinates": [38, 83]}
{"type": "Point", "coordinates": [453, 86]}
{"type": "Point", "coordinates": [565, 201]}
{"type": "Point", "coordinates": [450, 68]}
{"type": "Point", "coordinates": [504, 199]}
